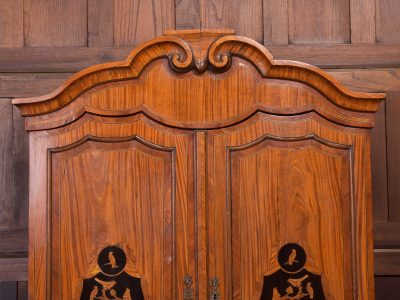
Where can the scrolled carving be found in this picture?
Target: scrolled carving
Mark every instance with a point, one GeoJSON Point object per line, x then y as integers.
{"type": "Point", "coordinates": [221, 51]}
{"type": "Point", "coordinates": [178, 52]}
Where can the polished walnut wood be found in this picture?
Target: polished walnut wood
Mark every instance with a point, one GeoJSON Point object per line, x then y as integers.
{"type": "Point", "coordinates": [200, 156]}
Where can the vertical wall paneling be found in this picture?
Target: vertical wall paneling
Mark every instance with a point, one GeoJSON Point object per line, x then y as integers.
{"type": "Point", "coordinates": [319, 21]}
{"type": "Point", "coordinates": [137, 21]}
{"type": "Point", "coordinates": [393, 154]}
{"type": "Point", "coordinates": [386, 287]}
{"type": "Point", "coordinates": [8, 290]}
{"type": "Point", "coordinates": [11, 23]}
{"type": "Point", "coordinates": [218, 14]}
{"type": "Point", "coordinates": [20, 166]}
{"type": "Point", "coordinates": [14, 290]}
{"type": "Point", "coordinates": [100, 23]}
{"type": "Point", "coordinates": [362, 18]}
{"type": "Point", "coordinates": [6, 171]}
{"type": "Point", "coordinates": [22, 290]}
{"type": "Point", "coordinates": [275, 21]}
{"type": "Point", "coordinates": [379, 166]}
{"type": "Point", "coordinates": [246, 17]}
{"type": "Point", "coordinates": [387, 21]}
{"type": "Point", "coordinates": [55, 23]}
{"type": "Point", "coordinates": [187, 14]}
{"type": "Point", "coordinates": [249, 17]}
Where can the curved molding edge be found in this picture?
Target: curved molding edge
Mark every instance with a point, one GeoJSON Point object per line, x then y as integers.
{"type": "Point", "coordinates": [220, 47]}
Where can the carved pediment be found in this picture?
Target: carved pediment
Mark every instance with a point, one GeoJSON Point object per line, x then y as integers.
{"type": "Point", "coordinates": [204, 53]}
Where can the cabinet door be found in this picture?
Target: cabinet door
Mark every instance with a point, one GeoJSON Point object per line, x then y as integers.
{"type": "Point", "coordinates": [120, 210]}
{"type": "Point", "coordinates": [285, 196]}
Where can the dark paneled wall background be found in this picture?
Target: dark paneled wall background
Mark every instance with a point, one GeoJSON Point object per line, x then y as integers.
{"type": "Point", "coordinates": [43, 41]}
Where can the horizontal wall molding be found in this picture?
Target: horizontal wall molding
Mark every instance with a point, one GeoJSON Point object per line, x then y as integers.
{"type": "Point", "coordinates": [14, 269]}
{"type": "Point", "coordinates": [387, 262]}
{"type": "Point", "coordinates": [73, 59]}
{"type": "Point", "coordinates": [14, 85]}
{"type": "Point", "coordinates": [387, 235]}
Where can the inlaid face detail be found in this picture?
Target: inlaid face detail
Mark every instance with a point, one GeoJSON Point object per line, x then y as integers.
{"type": "Point", "coordinates": [292, 280]}
{"type": "Point", "coordinates": [112, 282]}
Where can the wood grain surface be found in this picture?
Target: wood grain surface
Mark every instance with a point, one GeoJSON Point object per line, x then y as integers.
{"type": "Point", "coordinates": [55, 25]}
{"type": "Point", "coordinates": [128, 203]}
{"type": "Point", "coordinates": [330, 25]}
{"type": "Point", "coordinates": [294, 191]}
{"type": "Point", "coordinates": [166, 200]}
{"type": "Point", "coordinates": [6, 178]}
{"type": "Point", "coordinates": [100, 23]}
{"type": "Point", "coordinates": [11, 23]}
{"type": "Point", "coordinates": [200, 155]}
{"type": "Point", "coordinates": [130, 22]}
{"type": "Point", "coordinates": [267, 202]}
{"type": "Point", "coordinates": [387, 23]}
{"type": "Point", "coordinates": [74, 59]}
{"type": "Point", "coordinates": [363, 22]}
{"type": "Point", "coordinates": [68, 21]}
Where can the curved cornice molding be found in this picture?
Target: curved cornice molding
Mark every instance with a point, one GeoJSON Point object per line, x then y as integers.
{"type": "Point", "coordinates": [199, 51]}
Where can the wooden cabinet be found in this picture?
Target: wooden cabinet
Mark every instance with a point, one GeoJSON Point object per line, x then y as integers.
{"type": "Point", "coordinates": [200, 168]}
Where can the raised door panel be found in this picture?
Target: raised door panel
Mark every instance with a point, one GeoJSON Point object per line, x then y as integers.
{"type": "Point", "coordinates": [111, 194]}
{"type": "Point", "coordinates": [120, 211]}
{"type": "Point", "coordinates": [290, 192]}
{"type": "Point", "coordinates": [285, 199]}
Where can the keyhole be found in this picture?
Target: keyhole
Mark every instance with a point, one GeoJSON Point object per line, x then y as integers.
{"type": "Point", "coordinates": [215, 296]}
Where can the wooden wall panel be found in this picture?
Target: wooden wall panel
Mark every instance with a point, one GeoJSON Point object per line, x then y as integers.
{"type": "Point", "coordinates": [12, 290]}
{"type": "Point", "coordinates": [275, 19]}
{"type": "Point", "coordinates": [246, 17]}
{"type": "Point", "coordinates": [330, 56]}
{"type": "Point", "coordinates": [8, 290]}
{"type": "Point", "coordinates": [30, 84]}
{"type": "Point", "coordinates": [14, 269]}
{"type": "Point", "coordinates": [387, 261]}
{"type": "Point", "coordinates": [6, 171]}
{"type": "Point", "coordinates": [100, 23]}
{"type": "Point", "coordinates": [319, 21]}
{"type": "Point", "coordinates": [362, 18]}
{"type": "Point", "coordinates": [20, 166]}
{"type": "Point", "coordinates": [393, 154]}
{"type": "Point", "coordinates": [22, 290]}
{"type": "Point", "coordinates": [379, 166]}
{"type": "Point", "coordinates": [13, 243]}
{"type": "Point", "coordinates": [11, 23]}
{"type": "Point", "coordinates": [137, 21]}
{"type": "Point", "coordinates": [387, 21]}
{"type": "Point", "coordinates": [371, 80]}
{"type": "Point", "coordinates": [386, 287]}
{"type": "Point", "coordinates": [187, 14]}
{"type": "Point", "coordinates": [55, 23]}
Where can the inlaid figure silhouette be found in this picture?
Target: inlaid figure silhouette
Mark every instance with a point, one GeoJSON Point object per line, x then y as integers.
{"type": "Point", "coordinates": [292, 281]}
{"type": "Point", "coordinates": [112, 282]}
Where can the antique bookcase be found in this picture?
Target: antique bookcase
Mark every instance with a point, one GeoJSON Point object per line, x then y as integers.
{"type": "Point", "coordinates": [200, 168]}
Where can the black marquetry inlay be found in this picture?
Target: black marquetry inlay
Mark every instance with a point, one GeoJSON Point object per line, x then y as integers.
{"type": "Point", "coordinates": [292, 281]}
{"type": "Point", "coordinates": [112, 282]}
